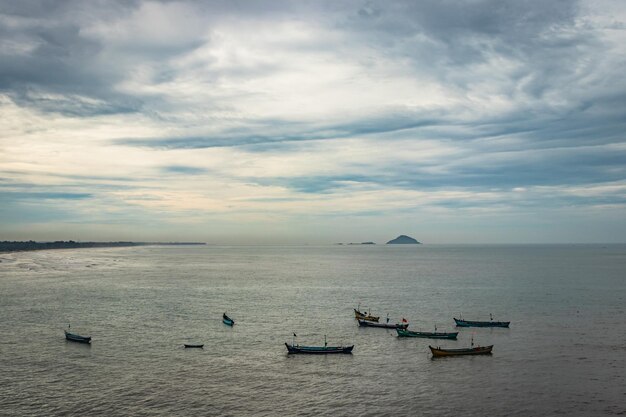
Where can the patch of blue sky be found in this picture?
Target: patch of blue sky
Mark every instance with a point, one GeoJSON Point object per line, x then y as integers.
{"type": "Point", "coordinates": [182, 169]}
{"type": "Point", "coordinates": [41, 195]}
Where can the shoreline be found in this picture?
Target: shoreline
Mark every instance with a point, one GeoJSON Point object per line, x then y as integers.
{"type": "Point", "coordinates": [24, 246]}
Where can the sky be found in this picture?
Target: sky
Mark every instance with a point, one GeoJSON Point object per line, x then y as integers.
{"type": "Point", "coordinates": [293, 122]}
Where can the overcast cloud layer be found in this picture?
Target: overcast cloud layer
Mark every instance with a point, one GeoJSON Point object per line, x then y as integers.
{"type": "Point", "coordinates": [313, 122]}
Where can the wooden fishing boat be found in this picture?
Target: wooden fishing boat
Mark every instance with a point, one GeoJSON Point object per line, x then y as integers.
{"type": "Point", "coordinates": [77, 338]}
{"type": "Point", "coordinates": [366, 323]}
{"type": "Point", "coordinates": [227, 320]}
{"type": "Point", "coordinates": [293, 348]}
{"type": "Point", "coordinates": [478, 350]}
{"type": "Point", "coordinates": [430, 335]}
{"type": "Point", "coordinates": [474, 323]}
{"type": "Point", "coordinates": [364, 316]}
{"type": "Point", "coordinates": [187, 345]}
{"type": "Point", "coordinates": [318, 349]}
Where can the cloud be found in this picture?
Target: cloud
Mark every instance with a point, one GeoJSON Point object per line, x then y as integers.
{"type": "Point", "coordinates": [218, 113]}
{"type": "Point", "coordinates": [286, 131]}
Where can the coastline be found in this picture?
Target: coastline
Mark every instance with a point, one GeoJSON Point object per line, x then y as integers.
{"type": "Point", "coordinates": [22, 246]}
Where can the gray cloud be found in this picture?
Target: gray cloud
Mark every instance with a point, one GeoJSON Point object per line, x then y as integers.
{"type": "Point", "coordinates": [528, 94]}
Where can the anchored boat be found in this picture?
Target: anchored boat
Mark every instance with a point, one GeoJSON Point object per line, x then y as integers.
{"type": "Point", "coordinates": [227, 320]}
{"type": "Point", "coordinates": [430, 335]}
{"type": "Point", "coordinates": [478, 350]}
{"type": "Point", "coordinates": [293, 348]}
{"type": "Point", "coordinates": [475, 323]}
{"type": "Point", "coordinates": [77, 338]}
{"type": "Point", "coordinates": [364, 316]}
{"type": "Point", "coordinates": [318, 349]}
{"type": "Point", "coordinates": [366, 323]}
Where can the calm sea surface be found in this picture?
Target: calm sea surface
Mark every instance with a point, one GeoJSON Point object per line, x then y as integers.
{"type": "Point", "coordinates": [565, 353]}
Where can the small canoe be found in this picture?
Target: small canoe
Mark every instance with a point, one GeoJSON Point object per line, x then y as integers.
{"type": "Point", "coordinates": [365, 323]}
{"type": "Point", "coordinates": [77, 338]}
{"type": "Point", "coordinates": [194, 346]}
{"type": "Point", "coordinates": [478, 350]}
{"type": "Point", "coordinates": [227, 320]}
{"type": "Point", "coordinates": [364, 316]}
{"type": "Point", "coordinates": [318, 349]}
{"type": "Point", "coordinates": [430, 335]}
{"type": "Point", "coordinates": [474, 323]}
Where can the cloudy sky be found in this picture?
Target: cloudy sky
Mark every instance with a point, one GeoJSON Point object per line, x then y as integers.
{"type": "Point", "coordinates": [483, 121]}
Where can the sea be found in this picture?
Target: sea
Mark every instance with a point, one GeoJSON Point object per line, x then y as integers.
{"type": "Point", "coordinates": [564, 353]}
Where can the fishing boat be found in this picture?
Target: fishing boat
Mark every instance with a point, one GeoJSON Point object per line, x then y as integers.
{"type": "Point", "coordinates": [364, 316]}
{"type": "Point", "coordinates": [430, 335]}
{"type": "Point", "coordinates": [294, 348]}
{"type": "Point", "coordinates": [193, 346]}
{"type": "Point", "coordinates": [478, 350]}
{"type": "Point", "coordinates": [227, 320]}
{"type": "Point", "coordinates": [366, 323]}
{"type": "Point", "coordinates": [475, 323]}
{"type": "Point", "coordinates": [77, 338]}
{"type": "Point", "coordinates": [318, 349]}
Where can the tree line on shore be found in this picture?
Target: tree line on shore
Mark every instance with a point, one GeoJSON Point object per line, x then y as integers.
{"type": "Point", "coordinates": [13, 246]}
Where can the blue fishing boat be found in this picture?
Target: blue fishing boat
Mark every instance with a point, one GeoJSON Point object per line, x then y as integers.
{"type": "Point", "coordinates": [429, 335]}
{"type": "Point", "coordinates": [227, 320]}
{"type": "Point", "coordinates": [293, 348]}
{"type": "Point", "coordinates": [475, 323]}
{"type": "Point", "coordinates": [318, 349]}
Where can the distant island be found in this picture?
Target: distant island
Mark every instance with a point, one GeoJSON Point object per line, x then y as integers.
{"type": "Point", "coordinates": [403, 240]}
{"type": "Point", "coordinates": [400, 240]}
{"type": "Point", "coordinates": [362, 243]}
{"type": "Point", "coordinates": [16, 246]}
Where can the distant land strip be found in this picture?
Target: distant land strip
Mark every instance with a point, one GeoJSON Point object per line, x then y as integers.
{"type": "Point", "coordinates": [15, 246]}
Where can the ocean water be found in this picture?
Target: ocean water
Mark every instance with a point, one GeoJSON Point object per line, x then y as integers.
{"type": "Point", "coordinates": [564, 354]}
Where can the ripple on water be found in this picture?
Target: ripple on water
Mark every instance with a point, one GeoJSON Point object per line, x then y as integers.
{"type": "Point", "coordinates": [141, 304]}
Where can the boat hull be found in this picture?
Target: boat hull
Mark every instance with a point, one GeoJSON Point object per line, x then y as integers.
{"type": "Point", "coordinates": [227, 320]}
{"type": "Point", "coordinates": [317, 350]}
{"type": "Point", "coordinates": [360, 316]}
{"type": "Point", "coordinates": [470, 323]}
{"type": "Point", "coordinates": [365, 323]}
{"type": "Point", "coordinates": [77, 338]}
{"type": "Point", "coordinates": [428, 335]}
{"type": "Point", "coordinates": [479, 350]}
{"type": "Point", "coordinates": [194, 346]}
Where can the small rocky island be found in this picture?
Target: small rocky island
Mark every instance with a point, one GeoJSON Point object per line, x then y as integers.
{"type": "Point", "coordinates": [403, 240]}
